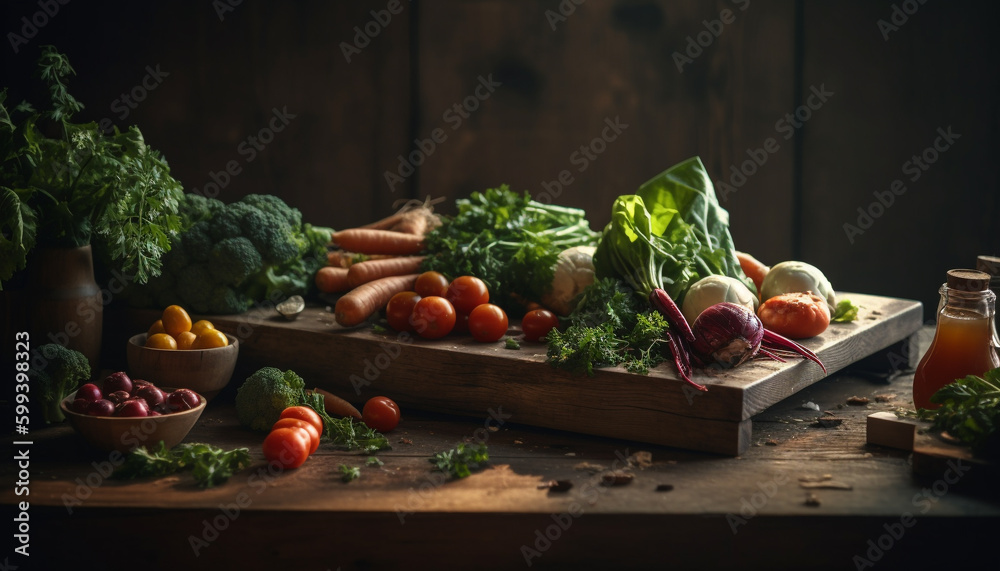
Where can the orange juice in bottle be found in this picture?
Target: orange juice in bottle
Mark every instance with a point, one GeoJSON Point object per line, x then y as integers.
{"type": "Point", "coordinates": [963, 341]}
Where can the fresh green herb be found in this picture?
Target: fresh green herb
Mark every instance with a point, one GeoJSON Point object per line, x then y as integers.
{"type": "Point", "coordinates": [461, 460]}
{"type": "Point", "coordinates": [379, 329]}
{"type": "Point", "coordinates": [609, 327]}
{"type": "Point", "coordinates": [845, 312]}
{"type": "Point", "coordinates": [511, 343]}
{"type": "Point", "coordinates": [669, 234]}
{"type": "Point", "coordinates": [348, 473]}
{"type": "Point", "coordinates": [508, 240]}
{"type": "Point", "coordinates": [970, 412]}
{"type": "Point", "coordinates": [81, 186]}
{"type": "Point", "coordinates": [351, 435]}
{"type": "Point", "coordinates": [373, 461]}
{"type": "Point", "coordinates": [209, 465]}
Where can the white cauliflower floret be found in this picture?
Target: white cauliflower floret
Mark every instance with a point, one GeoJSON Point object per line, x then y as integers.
{"type": "Point", "coordinates": [574, 271]}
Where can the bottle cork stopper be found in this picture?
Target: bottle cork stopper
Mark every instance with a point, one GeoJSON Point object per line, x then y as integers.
{"type": "Point", "coordinates": [968, 280]}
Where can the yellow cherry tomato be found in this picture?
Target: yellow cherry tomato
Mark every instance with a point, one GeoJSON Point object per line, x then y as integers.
{"type": "Point", "coordinates": [156, 327]}
{"type": "Point", "coordinates": [176, 320]}
{"type": "Point", "coordinates": [161, 341]}
{"type": "Point", "coordinates": [185, 340]}
{"type": "Point", "coordinates": [201, 325]}
{"type": "Point", "coordinates": [210, 339]}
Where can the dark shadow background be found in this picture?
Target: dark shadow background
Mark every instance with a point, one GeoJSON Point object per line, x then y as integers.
{"type": "Point", "coordinates": [563, 71]}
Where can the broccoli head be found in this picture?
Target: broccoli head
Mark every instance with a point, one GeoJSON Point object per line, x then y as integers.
{"type": "Point", "coordinates": [195, 208]}
{"type": "Point", "coordinates": [233, 260]}
{"type": "Point", "coordinates": [274, 205]}
{"type": "Point", "coordinates": [262, 397]}
{"type": "Point", "coordinates": [61, 372]}
{"type": "Point", "coordinates": [197, 243]}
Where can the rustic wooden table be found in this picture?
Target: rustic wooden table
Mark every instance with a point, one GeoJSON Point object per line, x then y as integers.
{"type": "Point", "coordinates": [803, 496]}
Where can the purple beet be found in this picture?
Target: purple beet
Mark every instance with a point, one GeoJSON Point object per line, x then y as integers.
{"type": "Point", "coordinates": [101, 407]}
{"type": "Point", "coordinates": [117, 382]}
{"type": "Point", "coordinates": [133, 407]}
{"type": "Point", "coordinates": [89, 392]}
{"type": "Point", "coordinates": [153, 396]}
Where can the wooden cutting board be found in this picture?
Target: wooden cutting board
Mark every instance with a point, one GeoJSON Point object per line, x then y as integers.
{"type": "Point", "coordinates": [458, 375]}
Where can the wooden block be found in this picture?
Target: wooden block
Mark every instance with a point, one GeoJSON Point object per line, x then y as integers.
{"type": "Point", "coordinates": [886, 429]}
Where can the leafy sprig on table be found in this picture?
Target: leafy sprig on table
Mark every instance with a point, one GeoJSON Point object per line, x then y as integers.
{"type": "Point", "coordinates": [209, 465]}
{"type": "Point", "coordinates": [461, 460]}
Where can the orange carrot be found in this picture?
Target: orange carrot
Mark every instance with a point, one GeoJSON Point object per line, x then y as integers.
{"type": "Point", "coordinates": [753, 268]}
{"type": "Point", "coordinates": [336, 405]}
{"type": "Point", "coordinates": [363, 301]}
{"type": "Point", "coordinates": [369, 241]}
{"type": "Point", "coordinates": [331, 279]}
{"type": "Point", "coordinates": [367, 271]}
{"type": "Point", "coordinates": [345, 259]}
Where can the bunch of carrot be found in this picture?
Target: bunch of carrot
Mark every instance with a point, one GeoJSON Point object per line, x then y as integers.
{"type": "Point", "coordinates": [374, 262]}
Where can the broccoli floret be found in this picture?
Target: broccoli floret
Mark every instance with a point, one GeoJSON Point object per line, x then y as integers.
{"type": "Point", "coordinates": [271, 235]}
{"type": "Point", "coordinates": [228, 222]}
{"type": "Point", "coordinates": [262, 397]}
{"type": "Point", "coordinates": [195, 208]}
{"type": "Point", "coordinates": [274, 205]}
{"type": "Point", "coordinates": [61, 372]}
{"type": "Point", "coordinates": [233, 260]}
{"type": "Point", "coordinates": [225, 300]}
{"type": "Point", "coordinates": [198, 242]}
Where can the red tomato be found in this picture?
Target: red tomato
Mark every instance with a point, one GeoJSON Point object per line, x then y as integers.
{"type": "Point", "coordinates": [305, 413]}
{"type": "Point", "coordinates": [487, 323]}
{"type": "Point", "coordinates": [399, 310]}
{"type": "Point", "coordinates": [381, 414]}
{"type": "Point", "coordinates": [795, 315]}
{"type": "Point", "coordinates": [537, 323]}
{"type": "Point", "coordinates": [466, 292]}
{"type": "Point", "coordinates": [431, 283]}
{"type": "Point", "coordinates": [433, 317]}
{"type": "Point", "coordinates": [287, 447]}
{"type": "Point", "coordinates": [296, 423]}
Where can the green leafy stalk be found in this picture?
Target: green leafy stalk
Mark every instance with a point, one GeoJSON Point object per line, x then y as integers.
{"type": "Point", "coordinates": [970, 412]}
{"type": "Point", "coordinates": [459, 462]}
{"type": "Point", "coordinates": [845, 312]}
{"type": "Point", "coordinates": [348, 473]}
{"type": "Point", "coordinates": [210, 466]}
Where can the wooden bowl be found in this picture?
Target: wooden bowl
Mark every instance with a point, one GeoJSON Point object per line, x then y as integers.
{"type": "Point", "coordinates": [204, 371]}
{"type": "Point", "coordinates": [126, 433]}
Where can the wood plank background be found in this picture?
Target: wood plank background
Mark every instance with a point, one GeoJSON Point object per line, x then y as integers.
{"type": "Point", "coordinates": [564, 70]}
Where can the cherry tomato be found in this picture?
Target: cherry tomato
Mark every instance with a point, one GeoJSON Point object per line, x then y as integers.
{"type": "Point", "coordinates": [433, 317]}
{"type": "Point", "coordinates": [399, 310]}
{"type": "Point", "coordinates": [294, 422]}
{"type": "Point", "coordinates": [381, 414]}
{"type": "Point", "coordinates": [156, 327]}
{"type": "Point", "coordinates": [537, 323]}
{"type": "Point", "coordinates": [302, 412]}
{"type": "Point", "coordinates": [287, 447]}
{"type": "Point", "coordinates": [175, 320]}
{"type": "Point", "coordinates": [795, 315]}
{"type": "Point", "coordinates": [185, 340]}
{"type": "Point", "coordinates": [161, 341]}
{"type": "Point", "coordinates": [487, 323]}
{"type": "Point", "coordinates": [431, 283]}
{"type": "Point", "coordinates": [466, 292]}
{"type": "Point", "coordinates": [210, 339]}
{"type": "Point", "coordinates": [198, 326]}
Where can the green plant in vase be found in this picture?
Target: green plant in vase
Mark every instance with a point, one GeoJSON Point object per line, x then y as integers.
{"type": "Point", "coordinates": [67, 185]}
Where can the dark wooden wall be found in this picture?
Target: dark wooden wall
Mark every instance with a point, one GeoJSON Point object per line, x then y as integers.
{"type": "Point", "coordinates": [559, 81]}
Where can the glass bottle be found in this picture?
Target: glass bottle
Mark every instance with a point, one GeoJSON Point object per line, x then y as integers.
{"type": "Point", "coordinates": [963, 340]}
{"type": "Point", "coordinates": [991, 265]}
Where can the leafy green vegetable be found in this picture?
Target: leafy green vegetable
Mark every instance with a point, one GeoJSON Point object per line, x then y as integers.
{"type": "Point", "coordinates": [845, 312]}
{"type": "Point", "coordinates": [373, 461]}
{"type": "Point", "coordinates": [610, 326]}
{"type": "Point", "coordinates": [461, 460]}
{"type": "Point", "coordinates": [511, 344]}
{"type": "Point", "coordinates": [210, 466]}
{"type": "Point", "coordinates": [347, 433]}
{"type": "Point", "coordinates": [57, 373]}
{"type": "Point", "coordinates": [81, 186]}
{"type": "Point", "coordinates": [265, 394]}
{"type": "Point", "coordinates": [508, 240]}
{"type": "Point", "coordinates": [669, 234]}
{"type": "Point", "coordinates": [348, 473]}
{"type": "Point", "coordinates": [970, 411]}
